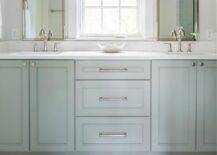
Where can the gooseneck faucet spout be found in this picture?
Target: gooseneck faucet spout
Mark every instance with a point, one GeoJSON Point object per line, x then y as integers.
{"type": "Point", "coordinates": [44, 37]}
{"type": "Point", "coordinates": [179, 34]}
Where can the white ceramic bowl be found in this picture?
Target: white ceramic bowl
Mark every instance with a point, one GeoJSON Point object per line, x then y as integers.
{"type": "Point", "coordinates": [111, 46]}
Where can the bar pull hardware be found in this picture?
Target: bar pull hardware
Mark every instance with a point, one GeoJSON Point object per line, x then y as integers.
{"type": "Point", "coordinates": [113, 98]}
{"type": "Point", "coordinates": [112, 134]}
{"type": "Point", "coordinates": [113, 69]}
{"type": "Point", "coordinates": [201, 64]}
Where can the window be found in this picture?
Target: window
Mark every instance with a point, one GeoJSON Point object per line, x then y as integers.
{"type": "Point", "coordinates": [109, 18]}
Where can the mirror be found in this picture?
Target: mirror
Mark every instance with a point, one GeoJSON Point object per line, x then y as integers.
{"type": "Point", "coordinates": [43, 15]}
{"type": "Point", "coordinates": [178, 13]}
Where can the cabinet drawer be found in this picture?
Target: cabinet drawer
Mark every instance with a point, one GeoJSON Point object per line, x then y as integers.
{"type": "Point", "coordinates": [113, 98]}
{"type": "Point", "coordinates": [113, 134]}
{"type": "Point", "coordinates": [113, 69]}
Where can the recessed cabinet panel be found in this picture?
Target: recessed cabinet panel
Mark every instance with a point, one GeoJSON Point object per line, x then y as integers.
{"type": "Point", "coordinates": [14, 106]}
{"type": "Point", "coordinates": [206, 109]}
{"type": "Point", "coordinates": [113, 134]}
{"type": "Point", "coordinates": [113, 69]}
{"type": "Point", "coordinates": [174, 106]}
{"type": "Point", "coordinates": [52, 106]}
{"type": "Point", "coordinates": [113, 98]}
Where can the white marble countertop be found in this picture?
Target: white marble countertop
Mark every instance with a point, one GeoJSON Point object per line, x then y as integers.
{"type": "Point", "coordinates": [97, 55]}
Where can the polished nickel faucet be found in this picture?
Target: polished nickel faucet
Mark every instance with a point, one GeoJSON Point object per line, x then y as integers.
{"type": "Point", "coordinates": [45, 37]}
{"type": "Point", "coordinates": [179, 34]}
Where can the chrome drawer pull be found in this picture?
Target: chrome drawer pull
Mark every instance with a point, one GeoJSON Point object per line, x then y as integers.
{"type": "Point", "coordinates": [112, 134]}
{"type": "Point", "coordinates": [113, 69]}
{"type": "Point", "coordinates": [113, 99]}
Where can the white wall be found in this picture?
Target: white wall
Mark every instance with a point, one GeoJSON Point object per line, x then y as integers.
{"type": "Point", "coordinates": [207, 19]}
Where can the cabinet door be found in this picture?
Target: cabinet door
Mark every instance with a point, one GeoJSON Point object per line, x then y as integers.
{"type": "Point", "coordinates": [206, 109]}
{"type": "Point", "coordinates": [14, 109]}
{"type": "Point", "coordinates": [174, 106]}
{"type": "Point", "coordinates": [52, 105]}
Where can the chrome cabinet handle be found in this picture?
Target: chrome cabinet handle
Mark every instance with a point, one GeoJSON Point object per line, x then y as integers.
{"type": "Point", "coordinates": [113, 98]}
{"type": "Point", "coordinates": [113, 69]}
{"type": "Point", "coordinates": [194, 64]}
{"type": "Point", "coordinates": [201, 64]}
{"type": "Point", "coordinates": [112, 134]}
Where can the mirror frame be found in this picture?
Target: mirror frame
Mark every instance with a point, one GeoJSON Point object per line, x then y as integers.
{"type": "Point", "coordinates": [38, 39]}
{"type": "Point", "coordinates": [196, 23]}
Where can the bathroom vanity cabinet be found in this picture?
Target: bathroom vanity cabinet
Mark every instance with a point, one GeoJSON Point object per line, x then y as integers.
{"type": "Point", "coordinates": [148, 106]}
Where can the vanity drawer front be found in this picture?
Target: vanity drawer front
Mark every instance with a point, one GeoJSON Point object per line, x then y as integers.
{"type": "Point", "coordinates": [113, 69]}
{"type": "Point", "coordinates": [113, 134]}
{"type": "Point", "coordinates": [113, 98]}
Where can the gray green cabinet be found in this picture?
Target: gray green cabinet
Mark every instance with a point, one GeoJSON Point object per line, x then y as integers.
{"type": "Point", "coordinates": [182, 113]}
{"type": "Point", "coordinates": [173, 106]}
{"type": "Point", "coordinates": [52, 105]}
{"type": "Point", "coordinates": [206, 106]}
{"type": "Point", "coordinates": [14, 105]}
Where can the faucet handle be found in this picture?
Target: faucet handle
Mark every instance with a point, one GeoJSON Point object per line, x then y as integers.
{"type": "Point", "coordinates": [35, 47]}
{"type": "Point", "coordinates": [56, 46]}
{"type": "Point", "coordinates": [190, 47]}
{"type": "Point", "coordinates": [42, 33]}
{"type": "Point", "coordinates": [170, 47]}
{"type": "Point", "coordinates": [173, 33]}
